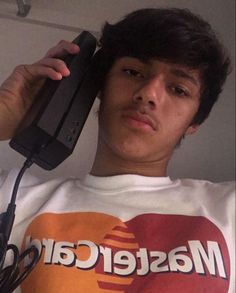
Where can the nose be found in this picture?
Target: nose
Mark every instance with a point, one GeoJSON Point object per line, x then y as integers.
{"type": "Point", "coordinates": [149, 93]}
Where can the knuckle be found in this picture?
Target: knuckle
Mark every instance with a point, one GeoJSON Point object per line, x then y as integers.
{"type": "Point", "coordinates": [60, 63]}
{"type": "Point", "coordinates": [20, 68]}
{"type": "Point", "coordinates": [23, 70]}
{"type": "Point", "coordinates": [62, 42]}
{"type": "Point", "coordinates": [49, 52]}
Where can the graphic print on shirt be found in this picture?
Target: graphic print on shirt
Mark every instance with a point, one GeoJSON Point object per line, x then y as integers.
{"type": "Point", "coordinates": [95, 252]}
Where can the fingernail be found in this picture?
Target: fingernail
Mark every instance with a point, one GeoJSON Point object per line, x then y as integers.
{"type": "Point", "coordinates": [59, 76]}
{"type": "Point", "coordinates": [76, 48]}
{"type": "Point", "coordinates": [67, 72]}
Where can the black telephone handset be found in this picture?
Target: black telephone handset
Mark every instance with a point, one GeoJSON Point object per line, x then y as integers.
{"type": "Point", "coordinates": [52, 126]}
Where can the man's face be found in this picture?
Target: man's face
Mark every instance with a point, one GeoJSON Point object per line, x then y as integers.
{"type": "Point", "coordinates": [146, 108]}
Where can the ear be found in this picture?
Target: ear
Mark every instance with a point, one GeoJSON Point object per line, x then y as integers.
{"type": "Point", "coordinates": [192, 129]}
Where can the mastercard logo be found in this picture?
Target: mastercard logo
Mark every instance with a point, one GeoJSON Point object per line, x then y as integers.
{"type": "Point", "coordinates": [95, 252]}
{"type": "Point", "coordinates": [118, 239]}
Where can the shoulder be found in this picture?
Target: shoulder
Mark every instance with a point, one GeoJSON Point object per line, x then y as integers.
{"type": "Point", "coordinates": [31, 187]}
{"type": "Point", "coordinates": [208, 187]}
{"type": "Point", "coordinates": [216, 198]}
{"type": "Point", "coordinates": [208, 194]}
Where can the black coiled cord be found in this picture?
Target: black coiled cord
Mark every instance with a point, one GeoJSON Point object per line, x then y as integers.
{"type": "Point", "coordinates": [11, 276]}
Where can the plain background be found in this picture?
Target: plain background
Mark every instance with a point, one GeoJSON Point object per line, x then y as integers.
{"type": "Point", "coordinates": [209, 154]}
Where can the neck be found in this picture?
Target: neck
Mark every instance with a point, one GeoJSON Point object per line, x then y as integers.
{"type": "Point", "coordinates": [108, 163]}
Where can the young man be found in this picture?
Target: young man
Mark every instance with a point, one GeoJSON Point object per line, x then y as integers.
{"type": "Point", "coordinates": [127, 227]}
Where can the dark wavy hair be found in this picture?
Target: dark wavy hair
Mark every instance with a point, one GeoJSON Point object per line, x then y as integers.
{"type": "Point", "coordinates": [173, 35]}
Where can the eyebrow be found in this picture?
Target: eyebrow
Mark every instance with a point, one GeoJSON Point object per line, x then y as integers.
{"type": "Point", "coordinates": [182, 73]}
{"type": "Point", "coordinates": [175, 71]}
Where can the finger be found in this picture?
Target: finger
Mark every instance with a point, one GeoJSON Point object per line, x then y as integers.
{"type": "Point", "coordinates": [62, 49]}
{"type": "Point", "coordinates": [56, 64]}
{"type": "Point", "coordinates": [37, 71]}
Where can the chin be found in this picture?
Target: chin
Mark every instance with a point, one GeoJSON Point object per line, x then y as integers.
{"type": "Point", "coordinates": [132, 153]}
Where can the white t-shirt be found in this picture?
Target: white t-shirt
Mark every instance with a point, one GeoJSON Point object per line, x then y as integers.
{"type": "Point", "coordinates": [125, 233]}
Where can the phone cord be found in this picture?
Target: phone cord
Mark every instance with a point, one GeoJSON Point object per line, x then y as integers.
{"type": "Point", "coordinates": [11, 276]}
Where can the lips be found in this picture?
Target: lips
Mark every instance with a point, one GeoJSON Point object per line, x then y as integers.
{"type": "Point", "coordinates": [139, 120]}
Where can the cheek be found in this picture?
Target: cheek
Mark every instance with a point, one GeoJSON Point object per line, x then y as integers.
{"type": "Point", "coordinates": [177, 119]}
{"type": "Point", "coordinates": [185, 112]}
{"type": "Point", "coordinates": [106, 96]}
{"type": "Point", "coordinates": [113, 98]}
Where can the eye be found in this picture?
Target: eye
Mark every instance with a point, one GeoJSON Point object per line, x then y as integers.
{"type": "Point", "coordinates": [133, 72]}
{"type": "Point", "coordinates": [179, 91]}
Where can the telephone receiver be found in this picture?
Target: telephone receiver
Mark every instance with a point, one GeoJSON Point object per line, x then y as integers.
{"type": "Point", "coordinates": [50, 130]}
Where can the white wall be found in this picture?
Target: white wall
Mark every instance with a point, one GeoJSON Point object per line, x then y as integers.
{"type": "Point", "coordinates": [209, 154]}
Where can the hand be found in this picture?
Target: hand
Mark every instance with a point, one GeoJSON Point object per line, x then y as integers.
{"type": "Point", "coordinates": [20, 88]}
